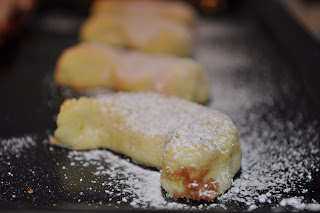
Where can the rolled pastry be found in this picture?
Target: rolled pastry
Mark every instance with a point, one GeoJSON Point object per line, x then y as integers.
{"type": "Point", "coordinates": [197, 148]}
{"type": "Point", "coordinates": [176, 11]}
{"type": "Point", "coordinates": [147, 34]}
{"type": "Point", "coordinates": [90, 65]}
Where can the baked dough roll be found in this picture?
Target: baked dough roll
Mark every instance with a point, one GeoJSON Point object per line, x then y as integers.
{"type": "Point", "coordinates": [175, 11]}
{"type": "Point", "coordinates": [86, 66]}
{"type": "Point", "coordinates": [201, 158]}
{"type": "Point", "coordinates": [90, 65]}
{"type": "Point", "coordinates": [151, 35]}
{"type": "Point", "coordinates": [197, 148]}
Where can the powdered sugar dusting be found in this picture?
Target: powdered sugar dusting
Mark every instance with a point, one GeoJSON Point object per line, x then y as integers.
{"type": "Point", "coordinates": [276, 161]}
{"type": "Point", "coordinates": [137, 65]}
{"type": "Point", "coordinates": [16, 145]}
{"type": "Point", "coordinates": [154, 114]}
{"type": "Point", "coordinates": [151, 28]}
{"type": "Point", "coordinates": [267, 175]}
{"type": "Point", "coordinates": [141, 188]}
{"type": "Point", "coordinates": [121, 181]}
{"type": "Point", "coordinates": [280, 151]}
{"type": "Point", "coordinates": [270, 173]}
{"type": "Point", "coordinates": [280, 145]}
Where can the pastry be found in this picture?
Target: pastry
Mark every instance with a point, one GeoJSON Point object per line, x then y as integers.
{"type": "Point", "coordinates": [148, 34]}
{"type": "Point", "coordinates": [196, 147]}
{"type": "Point", "coordinates": [91, 65]}
{"type": "Point", "coordinates": [175, 11]}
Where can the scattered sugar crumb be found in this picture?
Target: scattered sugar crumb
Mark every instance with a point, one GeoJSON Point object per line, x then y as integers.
{"type": "Point", "coordinates": [16, 145]}
{"type": "Point", "coordinates": [252, 207]}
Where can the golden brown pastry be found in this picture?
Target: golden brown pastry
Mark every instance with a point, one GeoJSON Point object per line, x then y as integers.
{"type": "Point", "coordinates": [141, 32]}
{"type": "Point", "coordinates": [90, 65]}
{"type": "Point", "coordinates": [176, 11]}
{"type": "Point", "coordinates": [197, 148]}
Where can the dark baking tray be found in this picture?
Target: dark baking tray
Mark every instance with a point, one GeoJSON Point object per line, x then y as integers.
{"type": "Point", "coordinates": [253, 81]}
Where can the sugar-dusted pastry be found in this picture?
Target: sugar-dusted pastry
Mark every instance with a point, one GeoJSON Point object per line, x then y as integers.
{"type": "Point", "coordinates": [196, 147]}
{"type": "Point", "coordinates": [90, 65]}
{"type": "Point", "coordinates": [176, 11]}
{"type": "Point", "coordinates": [148, 34]}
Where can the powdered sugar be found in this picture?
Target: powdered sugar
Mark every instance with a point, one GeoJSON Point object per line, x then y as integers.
{"type": "Point", "coordinates": [269, 173]}
{"type": "Point", "coordinates": [122, 182]}
{"type": "Point", "coordinates": [151, 28]}
{"type": "Point", "coordinates": [141, 189]}
{"type": "Point", "coordinates": [15, 145]}
{"type": "Point", "coordinates": [276, 161]}
{"type": "Point", "coordinates": [158, 115]}
{"type": "Point", "coordinates": [280, 151]}
{"type": "Point", "coordinates": [264, 180]}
